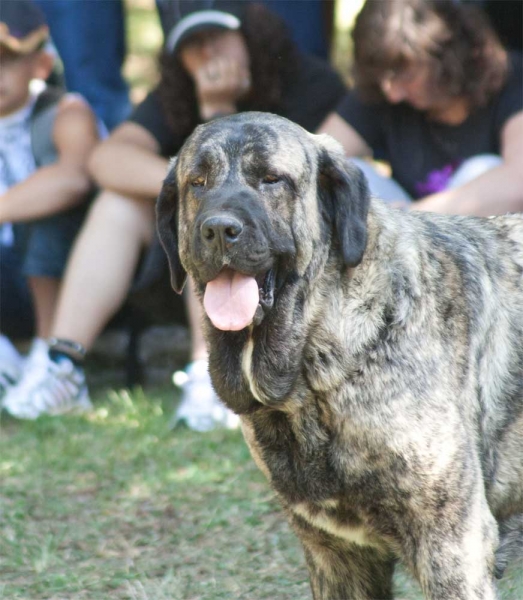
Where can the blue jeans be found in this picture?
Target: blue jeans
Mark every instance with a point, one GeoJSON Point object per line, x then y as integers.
{"type": "Point", "coordinates": [390, 190]}
{"type": "Point", "coordinates": [90, 38]}
{"type": "Point", "coordinates": [41, 249]}
{"type": "Point", "coordinates": [43, 246]}
{"type": "Point", "coordinates": [306, 22]}
{"type": "Point", "coordinates": [16, 307]}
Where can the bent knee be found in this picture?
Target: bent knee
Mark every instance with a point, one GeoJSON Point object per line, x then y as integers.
{"type": "Point", "coordinates": [473, 167]}
{"type": "Point", "coordinates": [125, 214]}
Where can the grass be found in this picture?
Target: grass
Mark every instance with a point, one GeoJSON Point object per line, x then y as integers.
{"type": "Point", "coordinates": [116, 505]}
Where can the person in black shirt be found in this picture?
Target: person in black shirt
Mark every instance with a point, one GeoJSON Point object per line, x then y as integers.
{"type": "Point", "coordinates": [439, 99]}
{"type": "Point", "coordinates": [224, 58]}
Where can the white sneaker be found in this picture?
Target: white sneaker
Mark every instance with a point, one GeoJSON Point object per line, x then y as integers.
{"type": "Point", "coordinates": [37, 355]}
{"type": "Point", "coordinates": [200, 408]}
{"type": "Point", "coordinates": [11, 365]}
{"type": "Point", "coordinates": [48, 387]}
{"type": "Point", "coordinates": [19, 364]}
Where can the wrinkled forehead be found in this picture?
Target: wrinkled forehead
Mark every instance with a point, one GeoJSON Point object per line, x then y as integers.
{"type": "Point", "coordinates": [279, 146]}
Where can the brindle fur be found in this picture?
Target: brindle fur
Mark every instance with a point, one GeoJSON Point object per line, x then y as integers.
{"type": "Point", "coordinates": [382, 395]}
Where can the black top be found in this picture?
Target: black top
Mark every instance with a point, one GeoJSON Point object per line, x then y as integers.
{"type": "Point", "coordinates": [308, 97]}
{"type": "Point", "coordinates": [423, 154]}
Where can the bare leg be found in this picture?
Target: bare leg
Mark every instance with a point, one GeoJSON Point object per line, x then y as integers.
{"type": "Point", "coordinates": [45, 292]}
{"type": "Point", "coordinates": [200, 408]}
{"type": "Point", "coordinates": [102, 265]}
{"type": "Point", "coordinates": [194, 310]}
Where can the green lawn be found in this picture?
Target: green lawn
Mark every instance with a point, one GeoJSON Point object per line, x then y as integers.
{"type": "Point", "coordinates": [115, 505]}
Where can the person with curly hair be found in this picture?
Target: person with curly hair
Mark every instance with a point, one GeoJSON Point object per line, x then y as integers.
{"type": "Point", "coordinates": [219, 58]}
{"type": "Point", "coordinates": [437, 97]}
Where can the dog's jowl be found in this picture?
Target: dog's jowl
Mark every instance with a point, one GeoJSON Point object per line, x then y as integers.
{"type": "Point", "coordinates": [375, 356]}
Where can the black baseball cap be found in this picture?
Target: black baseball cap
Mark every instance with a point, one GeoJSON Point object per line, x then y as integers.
{"type": "Point", "coordinates": [190, 16]}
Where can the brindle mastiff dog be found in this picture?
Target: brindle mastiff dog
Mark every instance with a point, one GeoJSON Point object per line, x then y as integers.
{"type": "Point", "coordinates": [375, 356]}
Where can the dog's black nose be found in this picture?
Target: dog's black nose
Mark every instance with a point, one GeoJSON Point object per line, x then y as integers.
{"type": "Point", "coordinates": [221, 230]}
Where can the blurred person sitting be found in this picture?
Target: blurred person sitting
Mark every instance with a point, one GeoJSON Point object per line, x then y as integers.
{"type": "Point", "coordinates": [225, 58]}
{"type": "Point", "coordinates": [45, 140]}
{"type": "Point", "coordinates": [437, 97]}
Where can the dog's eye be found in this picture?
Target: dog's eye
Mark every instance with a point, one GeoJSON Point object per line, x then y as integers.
{"type": "Point", "coordinates": [198, 181]}
{"type": "Point", "coordinates": [270, 178]}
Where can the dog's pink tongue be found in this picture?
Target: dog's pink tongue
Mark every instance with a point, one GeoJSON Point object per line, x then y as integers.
{"type": "Point", "coordinates": [231, 300]}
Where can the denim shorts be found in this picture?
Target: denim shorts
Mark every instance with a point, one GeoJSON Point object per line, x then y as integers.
{"type": "Point", "coordinates": [44, 245]}
{"type": "Point", "coordinates": [16, 307]}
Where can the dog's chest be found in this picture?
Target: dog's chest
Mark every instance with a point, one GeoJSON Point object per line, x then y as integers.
{"type": "Point", "coordinates": [310, 484]}
{"type": "Point", "coordinates": [296, 460]}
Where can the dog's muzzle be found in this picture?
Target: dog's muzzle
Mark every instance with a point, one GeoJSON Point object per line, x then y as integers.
{"type": "Point", "coordinates": [241, 293]}
{"type": "Point", "coordinates": [220, 232]}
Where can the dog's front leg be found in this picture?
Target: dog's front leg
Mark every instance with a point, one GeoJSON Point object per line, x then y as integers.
{"type": "Point", "coordinates": [454, 553]}
{"type": "Point", "coordinates": [341, 570]}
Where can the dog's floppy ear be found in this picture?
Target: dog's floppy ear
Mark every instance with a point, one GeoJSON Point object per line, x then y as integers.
{"type": "Point", "coordinates": [167, 225]}
{"type": "Point", "coordinates": [345, 194]}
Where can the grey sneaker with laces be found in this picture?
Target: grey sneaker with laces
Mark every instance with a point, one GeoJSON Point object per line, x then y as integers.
{"type": "Point", "coordinates": [200, 408]}
{"type": "Point", "coordinates": [48, 387]}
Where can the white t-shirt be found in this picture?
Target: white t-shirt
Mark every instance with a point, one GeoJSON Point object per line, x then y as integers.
{"type": "Point", "coordinates": [16, 157]}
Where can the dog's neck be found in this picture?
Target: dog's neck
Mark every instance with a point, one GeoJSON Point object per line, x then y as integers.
{"type": "Point", "coordinates": [278, 359]}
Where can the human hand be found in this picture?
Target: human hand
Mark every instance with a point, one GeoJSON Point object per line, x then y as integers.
{"type": "Point", "coordinates": [220, 83]}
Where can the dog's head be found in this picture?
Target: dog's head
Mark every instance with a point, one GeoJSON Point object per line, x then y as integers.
{"type": "Point", "coordinates": [249, 201]}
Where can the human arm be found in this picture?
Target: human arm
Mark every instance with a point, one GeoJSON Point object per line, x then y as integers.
{"type": "Point", "coordinates": [63, 184]}
{"type": "Point", "coordinates": [347, 136]}
{"type": "Point", "coordinates": [128, 162]}
{"type": "Point", "coordinates": [498, 191]}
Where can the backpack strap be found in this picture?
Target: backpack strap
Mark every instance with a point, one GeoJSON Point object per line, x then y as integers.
{"type": "Point", "coordinates": [42, 124]}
